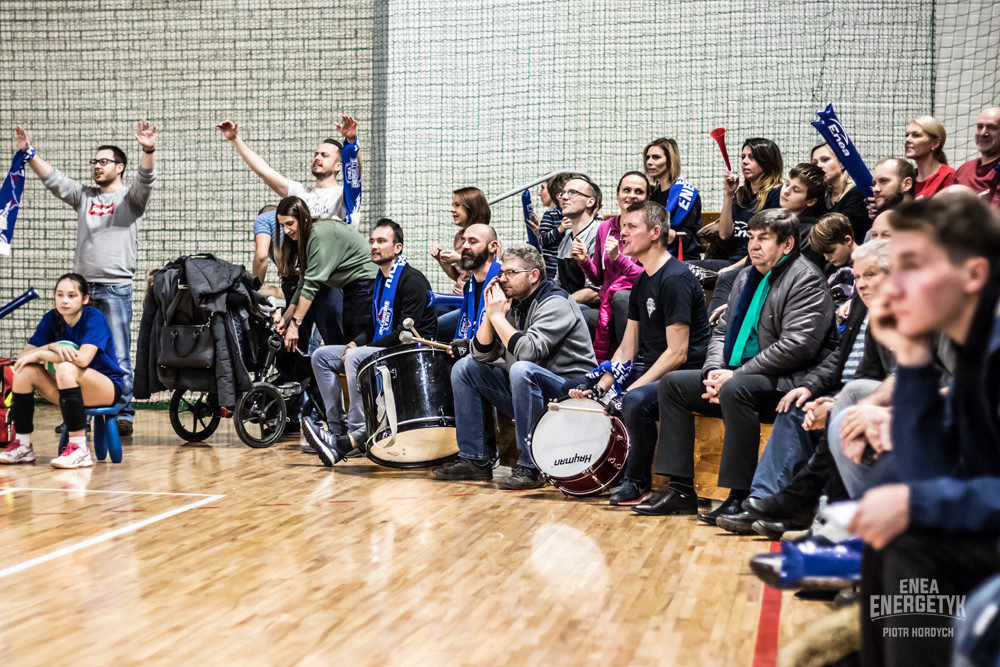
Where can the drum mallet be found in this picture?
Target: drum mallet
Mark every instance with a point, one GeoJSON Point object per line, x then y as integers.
{"type": "Point", "coordinates": [409, 324]}
{"type": "Point", "coordinates": [556, 407]}
{"type": "Point", "coordinates": [407, 337]}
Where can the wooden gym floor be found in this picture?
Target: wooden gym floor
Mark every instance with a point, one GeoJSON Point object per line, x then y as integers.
{"type": "Point", "coordinates": [218, 554]}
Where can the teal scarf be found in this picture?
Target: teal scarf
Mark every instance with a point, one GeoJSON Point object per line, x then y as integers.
{"type": "Point", "coordinates": [747, 345]}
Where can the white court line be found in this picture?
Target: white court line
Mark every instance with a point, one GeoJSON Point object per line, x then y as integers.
{"type": "Point", "coordinates": [141, 493]}
{"type": "Point", "coordinates": [106, 536]}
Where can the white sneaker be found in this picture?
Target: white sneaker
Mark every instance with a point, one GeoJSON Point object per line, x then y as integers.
{"type": "Point", "coordinates": [73, 456]}
{"type": "Point", "coordinates": [17, 453]}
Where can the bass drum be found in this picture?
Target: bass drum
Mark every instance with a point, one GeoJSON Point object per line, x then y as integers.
{"type": "Point", "coordinates": [409, 408]}
{"type": "Point", "coordinates": [580, 449]}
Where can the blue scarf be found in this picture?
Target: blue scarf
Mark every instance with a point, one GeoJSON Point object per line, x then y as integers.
{"type": "Point", "coordinates": [467, 327]}
{"type": "Point", "coordinates": [619, 371]}
{"type": "Point", "coordinates": [679, 199]}
{"type": "Point", "coordinates": [384, 296]}
{"type": "Point", "coordinates": [352, 183]}
{"type": "Point", "coordinates": [10, 198]}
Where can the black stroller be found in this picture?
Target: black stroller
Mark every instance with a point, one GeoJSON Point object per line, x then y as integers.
{"type": "Point", "coordinates": [208, 335]}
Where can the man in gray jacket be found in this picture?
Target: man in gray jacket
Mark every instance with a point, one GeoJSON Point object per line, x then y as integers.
{"type": "Point", "coordinates": [107, 236]}
{"type": "Point", "coordinates": [531, 342]}
{"type": "Point", "coordinates": [777, 326]}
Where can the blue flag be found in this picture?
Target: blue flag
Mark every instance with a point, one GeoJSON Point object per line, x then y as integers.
{"type": "Point", "coordinates": [835, 135]}
{"type": "Point", "coordinates": [10, 198]}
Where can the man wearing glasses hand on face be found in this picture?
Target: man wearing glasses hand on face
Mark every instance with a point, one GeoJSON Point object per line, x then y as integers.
{"type": "Point", "coordinates": [531, 341]}
{"type": "Point", "coordinates": [107, 238]}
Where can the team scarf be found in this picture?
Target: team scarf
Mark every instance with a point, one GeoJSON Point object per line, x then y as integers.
{"type": "Point", "coordinates": [352, 183]}
{"type": "Point", "coordinates": [619, 371]}
{"type": "Point", "coordinates": [467, 327]}
{"type": "Point", "coordinates": [10, 197]}
{"type": "Point", "coordinates": [384, 297]}
{"type": "Point", "coordinates": [746, 344]}
{"type": "Point", "coordinates": [679, 199]}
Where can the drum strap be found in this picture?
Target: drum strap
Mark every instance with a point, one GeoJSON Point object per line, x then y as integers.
{"type": "Point", "coordinates": [390, 407]}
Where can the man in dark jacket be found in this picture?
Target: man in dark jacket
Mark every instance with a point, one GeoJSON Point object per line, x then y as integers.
{"type": "Point", "coordinates": [791, 444]}
{"type": "Point", "coordinates": [778, 320]}
{"type": "Point", "coordinates": [933, 536]}
{"type": "Point", "coordinates": [532, 340]}
{"type": "Point", "coordinates": [400, 292]}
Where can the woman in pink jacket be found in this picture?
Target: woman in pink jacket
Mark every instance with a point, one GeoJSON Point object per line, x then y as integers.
{"type": "Point", "coordinates": [610, 268]}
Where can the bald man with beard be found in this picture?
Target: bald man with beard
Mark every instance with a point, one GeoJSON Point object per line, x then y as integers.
{"type": "Point", "coordinates": [480, 247]}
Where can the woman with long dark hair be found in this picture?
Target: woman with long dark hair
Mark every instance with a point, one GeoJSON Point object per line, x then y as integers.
{"type": "Point", "coordinates": [841, 195]}
{"type": "Point", "coordinates": [327, 252]}
{"type": "Point", "coordinates": [76, 338]}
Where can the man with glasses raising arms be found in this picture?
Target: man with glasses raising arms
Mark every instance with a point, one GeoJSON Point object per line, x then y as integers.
{"type": "Point", "coordinates": [107, 236]}
{"type": "Point", "coordinates": [536, 333]}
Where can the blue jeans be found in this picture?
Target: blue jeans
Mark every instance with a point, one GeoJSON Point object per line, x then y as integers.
{"type": "Point", "coordinates": [521, 393]}
{"type": "Point", "coordinates": [447, 324]}
{"type": "Point", "coordinates": [327, 362]}
{"type": "Point", "coordinates": [787, 450]}
{"type": "Point", "coordinates": [115, 301]}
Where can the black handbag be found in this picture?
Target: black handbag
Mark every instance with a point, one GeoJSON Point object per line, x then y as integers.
{"type": "Point", "coordinates": [186, 346]}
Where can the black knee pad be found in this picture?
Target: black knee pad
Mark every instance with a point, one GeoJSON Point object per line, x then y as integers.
{"type": "Point", "coordinates": [22, 413]}
{"type": "Point", "coordinates": [71, 404]}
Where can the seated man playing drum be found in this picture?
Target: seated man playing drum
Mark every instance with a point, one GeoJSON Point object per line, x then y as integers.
{"type": "Point", "coordinates": [537, 334]}
{"type": "Point", "coordinates": [667, 329]}
{"type": "Point", "coordinates": [400, 293]}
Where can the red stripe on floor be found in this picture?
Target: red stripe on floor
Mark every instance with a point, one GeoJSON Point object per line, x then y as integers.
{"type": "Point", "coordinates": [343, 501]}
{"type": "Point", "coordinates": [765, 653]}
{"type": "Point", "coordinates": [461, 494]}
{"type": "Point", "coordinates": [47, 513]}
{"type": "Point", "coordinates": [208, 507]}
{"type": "Point", "coordinates": [124, 511]}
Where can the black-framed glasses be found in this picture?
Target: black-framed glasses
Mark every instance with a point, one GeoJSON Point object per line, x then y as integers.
{"type": "Point", "coordinates": [509, 272]}
{"type": "Point", "coordinates": [566, 194]}
{"type": "Point", "coordinates": [104, 161]}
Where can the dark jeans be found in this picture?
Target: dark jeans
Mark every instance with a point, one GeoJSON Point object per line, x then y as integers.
{"type": "Point", "coordinates": [357, 308]}
{"type": "Point", "coordinates": [330, 302]}
{"type": "Point", "coordinates": [745, 401]}
{"type": "Point", "coordinates": [955, 563]}
{"type": "Point", "coordinates": [640, 410]}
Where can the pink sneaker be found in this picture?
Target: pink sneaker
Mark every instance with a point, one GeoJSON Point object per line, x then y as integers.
{"type": "Point", "coordinates": [15, 452]}
{"type": "Point", "coordinates": [73, 456]}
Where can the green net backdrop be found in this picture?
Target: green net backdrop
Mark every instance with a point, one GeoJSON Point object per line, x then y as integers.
{"type": "Point", "coordinates": [449, 94]}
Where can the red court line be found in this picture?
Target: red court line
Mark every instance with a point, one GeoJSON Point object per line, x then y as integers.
{"type": "Point", "coordinates": [208, 507]}
{"type": "Point", "coordinates": [343, 501]}
{"type": "Point", "coordinates": [123, 511]}
{"type": "Point", "coordinates": [461, 494]}
{"type": "Point", "coordinates": [48, 513]}
{"type": "Point", "coordinates": [765, 652]}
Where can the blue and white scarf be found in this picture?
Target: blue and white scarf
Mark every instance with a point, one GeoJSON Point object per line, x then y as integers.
{"type": "Point", "coordinates": [619, 371]}
{"type": "Point", "coordinates": [679, 199]}
{"type": "Point", "coordinates": [352, 183]}
{"type": "Point", "coordinates": [10, 198]}
{"type": "Point", "coordinates": [384, 297]}
{"type": "Point", "coordinates": [467, 327]}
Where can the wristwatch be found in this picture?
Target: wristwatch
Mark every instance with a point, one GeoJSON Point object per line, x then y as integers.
{"type": "Point", "coordinates": [298, 321]}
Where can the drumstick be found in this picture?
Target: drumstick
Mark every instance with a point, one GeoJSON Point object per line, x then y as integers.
{"type": "Point", "coordinates": [407, 337]}
{"type": "Point", "coordinates": [408, 323]}
{"type": "Point", "coordinates": [555, 407]}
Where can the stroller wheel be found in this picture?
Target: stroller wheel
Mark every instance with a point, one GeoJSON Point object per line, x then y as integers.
{"type": "Point", "coordinates": [194, 415]}
{"type": "Point", "coordinates": [260, 416]}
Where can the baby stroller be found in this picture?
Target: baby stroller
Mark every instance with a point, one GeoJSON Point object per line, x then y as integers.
{"type": "Point", "coordinates": [282, 381]}
{"type": "Point", "coordinates": [207, 334]}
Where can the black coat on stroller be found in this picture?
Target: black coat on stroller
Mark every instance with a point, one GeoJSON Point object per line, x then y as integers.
{"type": "Point", "coordinates": [193, 330]}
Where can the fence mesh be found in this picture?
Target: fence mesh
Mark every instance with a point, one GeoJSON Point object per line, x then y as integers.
{"type": "Point", "coordinates": [449, 94]}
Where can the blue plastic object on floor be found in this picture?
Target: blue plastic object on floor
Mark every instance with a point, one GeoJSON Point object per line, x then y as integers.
{"type": "Point", "coordinates": [819, 558]}
{"type": "Point", "coordinates": [106, 438]}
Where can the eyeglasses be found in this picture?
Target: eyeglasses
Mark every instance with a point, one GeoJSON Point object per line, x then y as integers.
{"type": "Point", "coordinates": [509, 272]}
{"type": "Point", "coordinates": [566, 194]}
{"type": "Point", "coordinates": [104, 162]}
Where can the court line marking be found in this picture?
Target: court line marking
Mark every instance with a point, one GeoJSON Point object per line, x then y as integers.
{"type": "Point", "coordinates": [765, 652]}
{"type": "Point", "coordinates": [7, 489]}
{"type": "Point", "coordinates": [20, 567]}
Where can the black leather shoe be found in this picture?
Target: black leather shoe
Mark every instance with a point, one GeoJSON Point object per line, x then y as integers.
{"type": "Point", "coordinates": [667, 503]}
{"type": "Point", "coordinates": [325, 443]}
{"type": "Point", "coordinates": [730, 506]}
{"type": "Point", "coordinates": [774, 530]}
{"type": "Point", "coordinates": [741, 524]}
{"type": "Point", "coordinates": [778, 508]}
{"type": "Point", "coordinates": [629, 493]}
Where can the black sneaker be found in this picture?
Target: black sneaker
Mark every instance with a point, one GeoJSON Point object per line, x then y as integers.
{"type": "Point", "coordinates": [465, 470]}
{"type": "Point", "coordinates": [124, 427]}
{"type": "Point", "coordinates": [324, 442]}
{"type": "Point", "coordinates": [629, 493]}
{"type": "Point", "coordinates": [59, 429]}
{"type": "Point", "coordinates": [522, 478]}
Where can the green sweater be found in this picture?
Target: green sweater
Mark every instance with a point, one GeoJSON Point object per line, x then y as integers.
{"type": "Point", "coordinates": [336, 255]}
